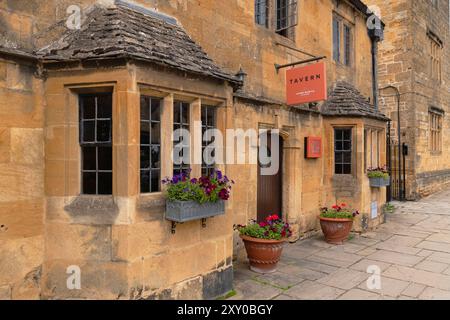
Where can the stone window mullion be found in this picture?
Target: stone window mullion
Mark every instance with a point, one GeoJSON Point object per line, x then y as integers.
{"type": "Point", "coordinates": [167, 136]}
{"type": "Point", "coordinates": [196, 139]}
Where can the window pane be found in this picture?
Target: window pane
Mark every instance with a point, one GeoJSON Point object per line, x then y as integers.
{"type": "Point", "coordinates": [88, 131]}
{"type": "Point", "coordinates": [156, 151]}
{"type": "Point", "coordinates": [103, 131]}
{"type": "Point", "coordinates": [89, 183]}
{"type": "Point", "coordinates": [145, 133]}
{"type": "Point", "coordinates": [338, 168]}
{"type": "Point", "coordinates": [156, 133]}
{"type": "Point", "coordinates": [88, 107]}
{"type": "Point", "coordinates": [339, 145]}
{"type": "Point", "coordinates": [104, 158]}
{"type": "Point", "coordinates": [347, 44]}
{"type": "Point", "coordinates": [185, 113]}
{"type": "Point", "coordinates": [145, 111]}
{"type": "Point", "coordinates": [145, 181]}
{"type": "Point", "coordinates": [347, 134]}
{"type": "Point", "coordinates": [336, 40]}
{"type": "Point", "coordinates": [104, 106]}
{"type": "Point", "coordinates": [347, 169]}
{"type": "Point", "coordinates": [177, 112]}
{"type": "Point", "coordinates": [145, 157]}
{"type": "Point", "coordinates": [347, 157]}
{"type": "Point", "coordinates": [155, 181]}
{"type": "Point", "coordinates": [89, 158]}
{"type": "Point", "coordinates": [347, 145]}
{"type": "Point", "coordinates": [156, 109]}
{"type": "Point", "coordinates": [104, 183]}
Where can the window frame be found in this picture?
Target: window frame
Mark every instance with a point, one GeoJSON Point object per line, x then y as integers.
{"type": "Point", "coordinates": [372, 147]}
{"type": "Point", "coordinates": [343, 47]}
{"type": "Point", "coordinates": [259, 6]}
{"type": "Point", "coordinates": [343, 151]}
{"type": "Point", "coordinates": [348, 43]}
{"type": "Point", "coordinates": [97, 144]}
{"type": "Point", "coordinates": [435, 59]}
{"type": "Point", "coordinates": [150, 169]}
{"type": "Point", "coordinates": [207, 126]}
{"type": "Point", "coordinates": [179, 168]}
{"type": "Point", "coordinates": [336, 38]}
{"type": "Point", "coordinates": [435, 129]}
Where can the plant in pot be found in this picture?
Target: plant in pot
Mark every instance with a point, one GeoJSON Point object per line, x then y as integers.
{"type": "Point", "coordinates": [196, 198]}
{"type": "Point", "coordinates": [264, 242]}
{"type": "Point", "coordinates": [336, 223]}
{"type": "Point", "coordinates": [379, 177]}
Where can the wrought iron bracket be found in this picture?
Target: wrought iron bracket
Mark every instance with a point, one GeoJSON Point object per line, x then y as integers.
{"type": "Point", "coordinates": [281, 66]}
{"type": "Point", "coordinates": [174, 226]}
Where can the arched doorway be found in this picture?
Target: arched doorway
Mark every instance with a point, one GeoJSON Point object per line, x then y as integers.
{"type": "Point", "coordinates": [269, 196]}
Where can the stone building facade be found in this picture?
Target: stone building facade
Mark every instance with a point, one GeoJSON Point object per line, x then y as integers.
{"type": "Point", "coordinates": [415, 58]}
{"type": "Point", "coordinates": [127, 56]}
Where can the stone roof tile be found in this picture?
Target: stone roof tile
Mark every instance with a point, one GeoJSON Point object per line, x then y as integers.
{"type": "Point", "coordinates": [122, 31]}
{"type": "Point", "coordinates": [345, 100]}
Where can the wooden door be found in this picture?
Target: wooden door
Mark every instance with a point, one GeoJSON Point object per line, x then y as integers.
{"type": "Point", "coordinates": [269, 196]}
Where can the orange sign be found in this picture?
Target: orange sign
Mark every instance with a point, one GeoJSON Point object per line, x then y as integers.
{"type": "Point", "coordinates": [313, 147]}
{"type": "Point", "coordinates": [306, 84]}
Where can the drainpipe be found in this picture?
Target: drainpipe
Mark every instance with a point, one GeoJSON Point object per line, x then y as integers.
{"type": "Point", "coordinates": [375, 73]}
{"type": "Point", "coordinates": [376, 33]}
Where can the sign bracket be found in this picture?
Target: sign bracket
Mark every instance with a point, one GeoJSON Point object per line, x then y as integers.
{"type": "Point", "coordinates": [278, 66]}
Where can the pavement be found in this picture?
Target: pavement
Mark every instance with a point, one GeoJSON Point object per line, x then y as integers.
{"type": "Point", "coordinates": [406, 258]}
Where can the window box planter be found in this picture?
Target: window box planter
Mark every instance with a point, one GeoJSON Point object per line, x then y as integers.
{"type": "Point", "coordinates": [379, 182]}
{"type": "Point", "coordinates": [184, 211]}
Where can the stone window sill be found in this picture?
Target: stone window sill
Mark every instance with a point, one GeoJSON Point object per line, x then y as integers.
{"type": "Point", "coordinates": [93, 209]}
{"type": "Point", "coordinates": [436, 153]}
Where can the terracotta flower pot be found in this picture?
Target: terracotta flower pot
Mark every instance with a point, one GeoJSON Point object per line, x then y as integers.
{"type": "Point", "coordinates": [336, 231]}
{"type": "Point", "coordinates": [263, 255]}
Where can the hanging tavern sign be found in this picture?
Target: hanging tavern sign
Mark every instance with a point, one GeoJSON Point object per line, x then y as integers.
{"type": "Point", "coordinates": [306, 84]}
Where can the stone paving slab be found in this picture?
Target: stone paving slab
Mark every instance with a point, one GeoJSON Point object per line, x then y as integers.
{"type": "Point", "coordinates": [412, 251]}
{"type": "Point", "coordinates": [253, 290]}
{"type": "Point", "coordinates": [414, 290]}
{"type": "Point", "coordinates": [358, 294]}
{"type": "Point", "coordinates": [432, 266]}
{"type": "Point", "coordinates": [310, 290]}
{"type": "Point", "coordinates": [389, 287]}
{"type": "Point", "coordinates": [365, 263]}
{"type": "Point", "coordinates": [427, 278]}
{"type": "Point", "coordinates": [402, 259]}
{"type": "Point", "coordinates": [344, 279]}
{"type": "Point", "coordinates": [435, 294]}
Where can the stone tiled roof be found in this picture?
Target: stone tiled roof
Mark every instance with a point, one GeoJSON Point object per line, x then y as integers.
{"type": "Point", "coordinates": [124, 31]}
{"type": "Point", "coordinates": [345, 100]}
{"type": "Point", "coordinates": [17, 52]}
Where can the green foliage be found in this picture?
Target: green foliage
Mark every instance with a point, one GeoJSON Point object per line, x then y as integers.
{"type": "Point", "coordinates": [337, 215]}
{"type": "Point", "coordinates": [271, 229]}
{"type": "Point", "coordinates": [230, 294]}
{"type": "Point", "coordinates": [389, 208]}
{"type": "Point", "coordinates": [381, 172]}
{"type": "Point", "coordinates": [338, 212]}
{"type": "Point", "coordinates": [205, 189]}
{"type": "Point", "coordinates": [378, 174]}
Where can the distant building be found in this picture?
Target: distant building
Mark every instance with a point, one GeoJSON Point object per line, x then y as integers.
{"type": "Point", "coordinates": [415, 58]}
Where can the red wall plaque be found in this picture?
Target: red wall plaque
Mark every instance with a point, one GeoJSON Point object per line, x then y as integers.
{"type": "Point", "coordinates": [306, 84]}
{"type": "Point", "coordinates": [313, 147]}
